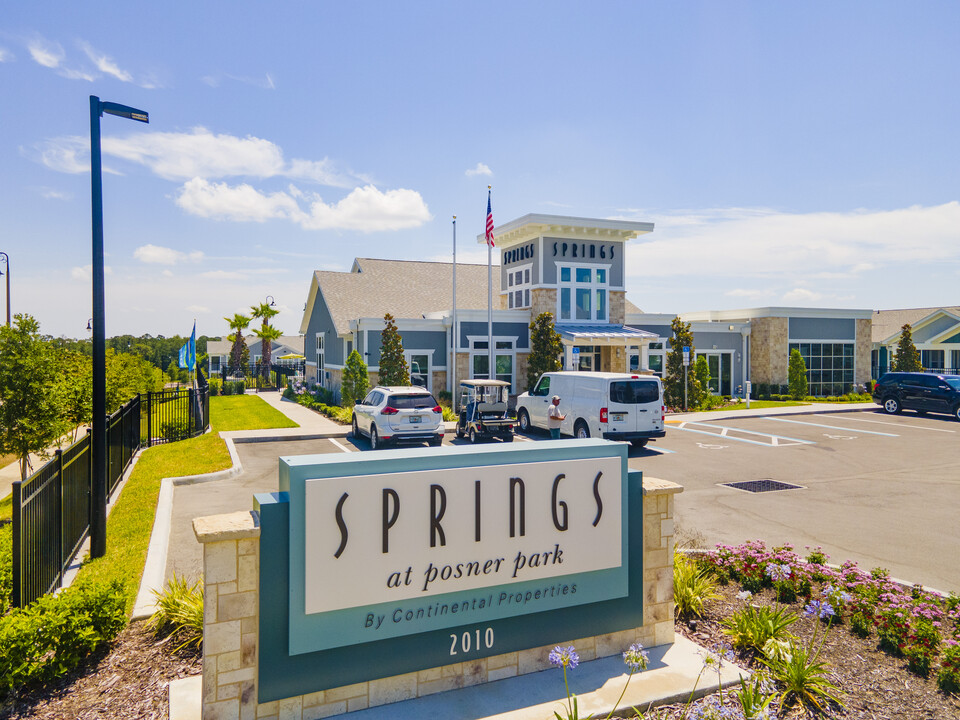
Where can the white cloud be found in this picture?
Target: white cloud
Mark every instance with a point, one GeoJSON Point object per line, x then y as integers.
{"type": "Point", "coordinates": [365, 208]}
{"type": "Point", "coordinates": [77, 74]}
{"type": "Point", "coordinates": [86, 272]}
{"type": "Point", "coordinates": [801, 296]}
{"type": "Point", "coordinates": [45, 53]}
{"type": "Point", "coordinates": [480, 169]}
{"type": "Point", "coordinates": [5, 55]}
{"type": "Point", "coordinates": [157, 255]}
{"type": "Point", "coordinates": [763, 243]}
{"type": "Point", "coordinates": [748, 293]}
{"type": "Point", "coordinates": [51, 194]}
{"type": "Point", "coordinates": [200, 309]}
{"type": "Point", "coordinates": [105, 64]}
{"type": "Point", "coordinates": [368, 209]}
{"type": "Point", "coordinates": [241, 203]}
{"type": "Point", "coordinates": [223, 275]}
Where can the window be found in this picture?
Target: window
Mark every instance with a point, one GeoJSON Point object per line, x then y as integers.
{"type": "Point", "coordinates": [829, 367]}
{"type": "Point", "coordinates": [932, 359]}
{"type": "Point", "coordinates": [419, 363]}
{"type": "Point", "coordinates": [320, 363]}
{"type": "Point", "coordinates": [518, 296]}
{"type": "Point", "coordinates": [634, 392]}
{"type": "Point", "coordinates": [214, 364]}
{"type": "Point", "coordinates": [583, 294]}
{"type": "Point", "coordinates": [504, 360]}
{"type": "Point", "coordinates": [543, 387]}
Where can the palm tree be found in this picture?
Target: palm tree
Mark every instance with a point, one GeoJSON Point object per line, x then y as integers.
{"type": "Point", "coordinates": [266, 333]}
{"type": "Point", "coordinates": [238, 324]}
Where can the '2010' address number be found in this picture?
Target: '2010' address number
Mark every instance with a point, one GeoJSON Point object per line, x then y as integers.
{"type": "Point", "coordinates": [468, 641]}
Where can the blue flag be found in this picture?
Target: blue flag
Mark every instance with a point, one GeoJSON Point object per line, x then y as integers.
{"type": "Point", "coordinates": [192, 348]}
{"type": "Point", "coordinates": [183, 355]}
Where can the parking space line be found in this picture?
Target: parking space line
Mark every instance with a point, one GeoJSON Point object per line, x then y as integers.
{"type": "Point", "coordinates": [897, 425]}
{"type": "Point", "coordinates": [831, 427]}
{"type": "Point", "coordinates": [340, 445]}
{"type": "Point", "coordinates": [775, 440]}
{"type": "Point", "coordinates": [662, 451]}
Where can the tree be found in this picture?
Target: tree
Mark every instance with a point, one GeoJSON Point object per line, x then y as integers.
{"type": "Point", "coordinates": [908, 357]}
{"type": "Point", "coordinates": [701, 370]}
{"type": "Point", "coordinates": [129, 375]}
{"type": "Point", "coordinates": [77, 376]}
{"type": "Point", "coordinates": [356, 380]}
{"type": "Point", "coordinates": [545, 348]}
{"type": "Point", "coordinates": [673, 380]}
{"type": "Point", "coordinates": [238, 363]}
{"type": "Point", "coordinates": [266, 333]}
{"type": "Point", "coordinates": [393, 365]}
{"type": "Point", "coordinates": [31, 392]}
{"type": "Point", "coordinates": [797, 375]}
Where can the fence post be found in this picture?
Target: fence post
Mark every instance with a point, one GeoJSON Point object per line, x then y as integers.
{"type": "Point", "coordinates": [191, 396]}
{"type": "Point", "coordinates": [90, 503]}
{"type": "Point", "coordinates": [17, 596]}
{"type": "Point", "coordinates": [63, 532]}
{"type": "Point", "coordinates": [149, 418]}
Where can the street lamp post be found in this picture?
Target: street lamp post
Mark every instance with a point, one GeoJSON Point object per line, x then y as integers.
{"type": "Point", "coordinates": [98, 439]}
{"type": "Point", "coordinates": [6, 264]}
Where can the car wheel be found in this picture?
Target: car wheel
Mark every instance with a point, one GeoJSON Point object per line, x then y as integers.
{"type": "Point", "coordinates": [524, 421]}
{"type": "Point", "coordinates": [639, 443]}
{"type": "Point", "coordinates": [459, 431]}
{"type": "Point", "coordinates": [356, 430]}
{"type": "Point", "coordinates": [891, 406]}
{"type": "Point", "coordinates": [956, 412]}
{"type": "Point", "coordinates": [508, 438]}
{"type": "Point", "coordinates": [473, 435]}
{"type": "Point", "coordinates": [375, 443]}
{"type": "Point", "coordinates": [581, 431]}
{"type": "Point", "coordinates": [436, 442]}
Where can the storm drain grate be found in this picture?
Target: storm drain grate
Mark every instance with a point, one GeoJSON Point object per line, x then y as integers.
{"type": "Point", "coordinates": [759, 486]}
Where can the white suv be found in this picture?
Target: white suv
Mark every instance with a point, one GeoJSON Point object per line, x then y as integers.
{"type": "Point", "coordinates": [398, 415]}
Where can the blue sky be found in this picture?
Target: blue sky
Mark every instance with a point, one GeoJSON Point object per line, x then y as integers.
{"type": "Point", "coordinates": [800, 154]}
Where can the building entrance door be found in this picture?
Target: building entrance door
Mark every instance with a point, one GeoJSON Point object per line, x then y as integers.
{"type": "Point", "coordinates": [721, 377]}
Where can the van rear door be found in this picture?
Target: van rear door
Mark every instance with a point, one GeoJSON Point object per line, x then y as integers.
{"type": "Point", "coordinates": [634, 405]}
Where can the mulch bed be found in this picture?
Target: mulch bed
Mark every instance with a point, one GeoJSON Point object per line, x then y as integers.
{"type": "Point", "coordinates": [874, 684]}
{"type": "Point", "coordinates": [129, 681]}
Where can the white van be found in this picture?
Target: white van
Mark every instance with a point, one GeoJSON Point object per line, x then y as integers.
{"type": "Point", "coordinates": [616, 406]}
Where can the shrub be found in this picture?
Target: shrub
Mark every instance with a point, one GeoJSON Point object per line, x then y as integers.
{"type": "Point", "coordinates": [922, 646]}
{"type": "Point", "coordinates": [751, 627]}
{"type": "Point", "coordinates": [6, 567]}
{"type": "Point", "coordinates": [948, 677]}
{"type": "Point", "coordinates": [692, 586]}
{"type": "Point", "coordinates": [173, 430]}
{"type": "Point", "coordinates": [445, 398]}
{"type": "Point", "coordinates": [803, 679]}
{"type": "Point", "coordinates": [180, 612]}
{"type": "Point", "coordinates": [216, 385]}
{"type": "Point", "coordinates": [860, 624]}
{"type": "Point", "coordinates": [52, 635]}
{"type": "Point", "coordinates": [288, 393]}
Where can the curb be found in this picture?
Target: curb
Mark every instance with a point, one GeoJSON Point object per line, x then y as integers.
{"type": "Point", "coordinates": [155, 567]}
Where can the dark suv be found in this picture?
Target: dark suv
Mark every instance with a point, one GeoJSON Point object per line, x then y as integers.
{"type": "Point", "coordinates": [922, 392]}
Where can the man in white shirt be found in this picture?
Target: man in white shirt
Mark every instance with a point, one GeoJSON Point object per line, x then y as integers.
{"type": "Point", "coordinates": [554, 417]}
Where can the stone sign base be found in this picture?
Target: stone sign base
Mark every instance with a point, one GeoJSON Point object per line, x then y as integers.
{"type": "Point", "coordinates": [231, 556]}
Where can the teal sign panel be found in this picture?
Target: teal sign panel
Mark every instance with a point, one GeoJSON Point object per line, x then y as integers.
{"type": "Point", "coordinates": [358, 554]}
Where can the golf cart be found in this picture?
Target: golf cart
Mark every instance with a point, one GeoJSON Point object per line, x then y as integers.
{"type": "Point", "coordinates": [483, 410]}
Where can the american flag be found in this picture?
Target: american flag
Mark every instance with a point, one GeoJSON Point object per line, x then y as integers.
{"type": "Point", "coordinates": [489, 222]}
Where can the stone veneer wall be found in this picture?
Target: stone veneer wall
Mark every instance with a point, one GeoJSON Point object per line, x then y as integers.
{"type": "Point", "coordinates": [769, 346]}
{"type": "Point", "coordinates": [231, 556]}
{"type": "Point", "coordinates": [618, 308]}
{"type": "Point", "coordinates": [543, 300]}
{"type": "Point", "coordinates": [862, 360]}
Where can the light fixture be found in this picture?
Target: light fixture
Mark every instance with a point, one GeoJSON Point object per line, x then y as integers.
{"type": "Point", "coordinates": [270, 301]}
{"type": "Point", "coordinates": [89, 324]}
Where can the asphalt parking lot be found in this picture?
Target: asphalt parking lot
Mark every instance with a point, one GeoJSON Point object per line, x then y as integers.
{"type": "Point", "coordinates": [881, 490]}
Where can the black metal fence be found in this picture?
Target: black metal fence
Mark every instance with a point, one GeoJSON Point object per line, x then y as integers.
{"type": "Point", "coordinates": [51, 508]}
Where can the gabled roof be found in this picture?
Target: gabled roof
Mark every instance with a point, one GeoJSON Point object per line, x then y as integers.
{"type": "Point", "coordinates": [404, 288]}
{"type": "Point", "coordinates": [294, 343]}
{"type": "Point", "coordinates": [887, 323]}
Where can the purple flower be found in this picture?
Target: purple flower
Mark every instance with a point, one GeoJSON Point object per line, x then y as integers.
{"type": "Point", "coordinates": [564, 657]}
{"type": "Point", "coordinates": [778, 572]}
{"type": "Point", "coordinates": [636, 657]}
{"type": "Point", "coordinates": [820, 608]}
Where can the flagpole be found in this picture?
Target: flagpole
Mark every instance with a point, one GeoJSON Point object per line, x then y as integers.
{"type": "Point", "coordinates": [453, 332]}
{"type": "Point", "coordinates": [491, 369]}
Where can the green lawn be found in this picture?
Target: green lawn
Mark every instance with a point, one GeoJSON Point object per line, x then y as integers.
{"type": "Point", "coordinates": [131, 521]}
{"type": "Point", "coordinates": [6, 507]}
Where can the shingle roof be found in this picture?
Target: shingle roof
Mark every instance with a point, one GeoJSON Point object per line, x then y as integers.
{"type": "Point", "coordinates": [889, 322]}
{"type": "Point", "coordinates": [222, 347]}
{"type": "Point", "coordinates": [404, 288]}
